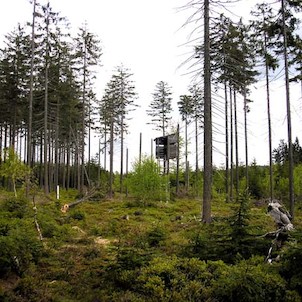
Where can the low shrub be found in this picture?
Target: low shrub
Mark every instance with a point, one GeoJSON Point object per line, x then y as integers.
{"type": "Point", "coordinates": [77, 215]}
{"type": "Point", "coordinates": [16, 206]}
{"type": "Point", "coordinates": [19, 246]}
{"type": "Point", "coordinates": [190, 279]}
{"type": "Point", "coordinates": [249, 280]}
{"type": "Point", "coordinates": [291, 268]}
{"type": "Point", "coordinates": [156, 236]}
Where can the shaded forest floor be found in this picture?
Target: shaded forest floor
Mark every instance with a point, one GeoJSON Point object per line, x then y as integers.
{"type": "Point", "coordinates": [106, 250]}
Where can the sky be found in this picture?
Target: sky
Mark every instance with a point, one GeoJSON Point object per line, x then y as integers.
{"type": "Point", "coordinates": [147, 38]}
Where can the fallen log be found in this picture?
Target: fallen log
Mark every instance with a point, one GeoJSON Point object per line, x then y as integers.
{"type": "Point", "coordinates": [67, 206]}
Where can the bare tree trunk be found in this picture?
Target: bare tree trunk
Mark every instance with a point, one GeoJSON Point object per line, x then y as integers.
{"type": "Point", "coordinates": [186, 157]}
{"type": "Point", "coordinates": [208, 169]}
{"type": "Point", "coordinates": [196, 147]}
{"type": "Point", "coordinates": [177, 162]}
{"type": "Point", "coordinates": [40, 154]}
{"type": "Point", "coordinates": [127, 168]}
{"type": "Point", "coordinates": [140, 148]}
{"type": "Point", "coordinates": [25, 148]}
{"type": "Point", "coordinates": [289, 127]}
{"type": "Point", "coordinates": [226, 144]}
{"type": "Point", "coordinates": [105, 148]}
{"type": "Point", "coordinates": [56, 161]}
{"type": "Point", "coordinates": [72, 171]}
{"type": "Point", "coordinates": [236, 145]}
{"type": "Point", "coordinates": [64, 163]}
{"type": "Point", "coordinates": [269, 122]}
{"type": "Point", "coordinates": [78, 165]}
{"type": "Point", "coordinates": [89, 139]}
{"type": "Point", "coordinates": [231, 146]}
{"type": "Point", "coordinates": [111, 159]}
{"type": "Point", "coordinates": [14, 128]}
{"type": "Point", "coordinates": [122, 156]}
{"type": "Point", "coordinates": [82, 148]}
{"type": "Point", "coordinates": [68, 176]}
{"type": "Point", "coordinates": [50, 162]}
{"type": "Point", "coordinates": [196, 157]}
{"type": "Point", "coordinates": [30, 109]}
{"type": "Point", "coordinates": [164, 133]}
{"type": "Point", "coordinates": [99, 164]}
{"type": "Point", "coordinates": [246, 142]}
{"type": "Point", "coordinates": [46, 142]}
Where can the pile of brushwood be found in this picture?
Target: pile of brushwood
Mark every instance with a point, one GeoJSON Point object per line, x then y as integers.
{"type": "Point", "coordinates": [129, 250]}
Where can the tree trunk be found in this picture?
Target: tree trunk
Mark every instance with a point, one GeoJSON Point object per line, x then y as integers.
{"type": "Point", "coordinates": [196, 157]}
{"type": "Point", "coordinates": [231, 147]}
{"type": "Point", "coordinates": [207, 185]}
{"type": "Point", "coordinates": [89, 139]}
{"type": "Point", "coordinates": [269, 122]}
{"type": "Point", "coordinates": [122, 155]}
{"type": "Point", "coordinates": [246, 142]}
{"type": "Point", "coordinates": [78, 164]}
{"type": "Point", "coordinates": [236, 145]}
{"type": "Point", "coordinates": [64, 165]}
{"type": "Point", "coordinates": [177, 162]}
{"type": "Point", "coordinates": [111, 159]}
{"type": "Point", "coordinates": [186, 157]}
{"type": "Point", "coordinates": [227, 193]}
{"type": "Point", "coordinates": [99, 164]}
{"type": "Point", "coordinates": [40, 154]}
{"type": "Point", "coordinates": [30, 107]}
{"type": "Point", "coordinates": [289, 127]}
{"type": "Point", "coordinates": [127, 168]}
{"type": "Point", "coordinates": [14, 128]}
{"type": "Point", "coordinates": [46, 179]}
{"type": "Point", "coordinates": [105, 148]}
{"type": "Point", "coordinates": [68, 174]}
{"type": "Point", "coordinates": [140, 148]}
{"type": "Point", "coordinates": [82, 147]}
{"type": "Point", "coordinates": [56, 176]}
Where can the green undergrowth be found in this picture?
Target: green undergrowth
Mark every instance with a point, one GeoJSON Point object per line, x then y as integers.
{"type": "Point", "coordinates": [126, 250]}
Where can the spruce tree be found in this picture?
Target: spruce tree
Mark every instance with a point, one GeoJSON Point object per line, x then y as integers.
{"type": "Point", "coordinates": [87, 57]}
{"type": "Point", "coordinates": [185, 106]}
{"type": "Point", "coordinates": [264, 43]}
{"type": "Point", "coordinates": [161, 107]}
{"type": "Point", "coordinates": [115, 105]}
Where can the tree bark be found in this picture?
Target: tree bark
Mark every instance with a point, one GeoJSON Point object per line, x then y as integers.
{"type": "Point", "coordinates": [82, 148]}
{"type": "Point", "coordinates": [269, 122]}
{"type": "Point", "coordinates": [122, 154]}
{"type": "Point", "coordinates": [111, 159]}
{"type": "Point", "coordinates": [196, 157]}
{"type": "Point", "coordinates": [177, 162]}
{"type": "Point", "coordinates": [140, 148]}
{"type": "Point", "coordinates": [207, 185]}
{"type": "Point", "coordinates": [46, 179]}
{"type": "Point", "coordinates": [30, 107]}
{"type": "Point", "coordinates": [236, 145]}
{"type": "Point", "coordinates": [246, 143]}
{"type": "Point", "coordinates": [231, 147]}
{"type": "Point", "coordinates": [289, 127]}
{"type": "Point", "coordinates": [227, 193]}
{"type": "Point", "coordinates": [186, 156]}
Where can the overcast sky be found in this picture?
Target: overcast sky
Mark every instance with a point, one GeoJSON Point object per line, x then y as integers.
{"type": "Point", "coordinates": [146, 37]}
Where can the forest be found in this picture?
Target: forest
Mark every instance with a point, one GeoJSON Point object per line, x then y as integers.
{"type": "Point", "coordinates": [74, 229]}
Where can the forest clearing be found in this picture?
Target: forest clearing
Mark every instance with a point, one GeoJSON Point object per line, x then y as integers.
{"type": "Point", "coordinates": [123, 249]}
{"type": "Point", "coordinates": [172, 224]}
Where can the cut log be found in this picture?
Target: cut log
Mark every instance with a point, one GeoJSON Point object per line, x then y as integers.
{"type": "Point", "coordinates": [88, 195]}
